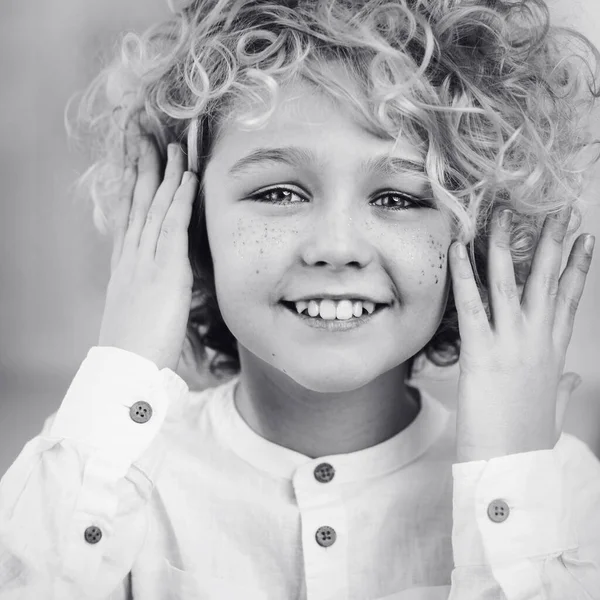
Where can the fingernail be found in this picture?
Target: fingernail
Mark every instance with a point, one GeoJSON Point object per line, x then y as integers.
{"type": "Point", "coordinates": [576, 382]}
{"type": "Point", "coordinates": [589, 242]}
{"type": "Point", "coordinates": [187, 177]}
{"type": "Point", "coordinates": [505, 218]}
{"type": "Point", "coordinates": [462, 251]}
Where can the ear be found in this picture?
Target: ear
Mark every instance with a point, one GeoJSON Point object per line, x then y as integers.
{"type": "Point", "coordinates": [568, 383]}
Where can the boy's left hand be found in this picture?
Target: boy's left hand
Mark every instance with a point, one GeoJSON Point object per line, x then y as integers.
{"type": "Point", "coordinates": [511, 391]}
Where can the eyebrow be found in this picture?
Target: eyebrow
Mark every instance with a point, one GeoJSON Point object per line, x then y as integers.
{"type": "Point", "coordinates": [294, 155]}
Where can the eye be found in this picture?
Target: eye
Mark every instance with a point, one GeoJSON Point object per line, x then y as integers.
{"type": "Point", "coordinates": [278, 195]}
{"type": "Point", "coordinates": [284, 196]}
{"type": "Point", "coordinates": [405, 203]}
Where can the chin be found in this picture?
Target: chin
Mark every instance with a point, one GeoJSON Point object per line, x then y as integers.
{"type": "Point", "coordinates": [334, 378]}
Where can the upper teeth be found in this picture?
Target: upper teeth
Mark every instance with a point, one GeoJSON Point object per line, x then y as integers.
{"type": "Point", "coordinates": [335, 309]}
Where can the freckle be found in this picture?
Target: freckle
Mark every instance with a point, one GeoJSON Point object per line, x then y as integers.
{"type": "Point", "coordinates": [257, 271]}
{"type": "Point", "coordinates": [420, 282]}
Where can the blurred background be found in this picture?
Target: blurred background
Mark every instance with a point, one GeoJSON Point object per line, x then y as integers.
{"type": "Point", "coordinates": [55, 266]}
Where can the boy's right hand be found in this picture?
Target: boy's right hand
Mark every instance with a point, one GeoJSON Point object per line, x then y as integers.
{"type": "Point", "coordinates": [149, 294]}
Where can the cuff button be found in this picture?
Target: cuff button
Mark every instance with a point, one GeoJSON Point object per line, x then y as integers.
{"type": "Point", "coordinates": [93, 534]}
{"type": "Point", "coordinates": [140, 412]}
{"type": "Point", "coordinates": [498, 511]}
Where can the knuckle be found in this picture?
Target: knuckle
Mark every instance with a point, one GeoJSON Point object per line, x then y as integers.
{"type": "Point", "coordinates": [547, 319]}
{"type": "Point", "coordinates": [557, 236]}
{"type": "Point", "coordinates": [168, 229]}
{"type": "Point", "coordinates": [583, 266]}
{"type": "Point", "coordinates": [473, 307]}
{"type": "Point", "coordinates": [166, 233]}
{"type": "Point", "coordinates": [465, 273]}
{"type": "Point", "coordinates": [571, 303]}
{"type": "Point", "coordinates": [502, 243]}
{"type": "Point", "coordinates": [150, 217]}
{"type": "Point", "coordinates": [550, 285]}
{"type": "Point", "coordinates": [507, 289]}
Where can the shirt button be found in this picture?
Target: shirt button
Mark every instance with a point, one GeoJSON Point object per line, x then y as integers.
{"type": "Point", "coordinates": [326, 536]}
{"type": "Point", "coordinates": [93, 534]}
{"type": "Point", "coordinates": [498, 511]}
{"type": "Point", "coordinates": [324, 472]}
{"type": "Point", "coordinates": [140, 412]}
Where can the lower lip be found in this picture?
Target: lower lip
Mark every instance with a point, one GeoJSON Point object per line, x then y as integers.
{"type": "Point", "coordinates": [335, 324]}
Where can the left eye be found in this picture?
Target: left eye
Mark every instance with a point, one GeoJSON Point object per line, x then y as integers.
{"type": "Point", "coordinates": [284, 195]}
{"type": "Point", "coordinates": [405, 201]}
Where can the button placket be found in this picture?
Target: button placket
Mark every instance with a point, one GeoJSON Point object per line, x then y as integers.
{"type": "Point", "coordinates": [323, 524]}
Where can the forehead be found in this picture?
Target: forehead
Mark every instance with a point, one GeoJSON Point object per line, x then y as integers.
{"type": "Point", "coordinates": [308, 117]}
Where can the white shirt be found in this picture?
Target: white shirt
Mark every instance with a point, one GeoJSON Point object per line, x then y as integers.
{"type": "Point", "coordinates": [193, 504]}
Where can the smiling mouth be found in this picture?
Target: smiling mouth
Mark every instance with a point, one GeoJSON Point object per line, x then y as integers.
{"type": "Point", "coordinates": [291, 306]}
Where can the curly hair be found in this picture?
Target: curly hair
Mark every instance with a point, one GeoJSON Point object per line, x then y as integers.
{"type": "Point", "coordinates": [491, 94]}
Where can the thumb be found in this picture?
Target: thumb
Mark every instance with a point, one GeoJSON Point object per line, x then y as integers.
{"type": "Point", "coordinates": [568, 383]}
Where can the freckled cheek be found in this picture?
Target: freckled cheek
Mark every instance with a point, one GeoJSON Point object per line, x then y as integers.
{"type": "Point", "coordinates": [256, 244]}
{"type": "Point", "coordinates": [249, 258]}
{"type": "Point", "coordinates": [423, 266]}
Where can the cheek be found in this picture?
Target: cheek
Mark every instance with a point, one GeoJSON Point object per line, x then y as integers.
{"type": "Point", "coordinates": [420, 261]}
{"type": "Point", "coordinates": [246, 253]}
{"type": "Point", "coordinates": [433, 263]}
{"type": "Point", "coordinates": [257, 245]}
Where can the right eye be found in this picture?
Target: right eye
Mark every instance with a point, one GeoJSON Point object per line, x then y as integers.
{"type": "Point", "coordinates": [279, 195]}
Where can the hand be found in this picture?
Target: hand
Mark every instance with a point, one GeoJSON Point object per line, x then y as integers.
{"type": "Point", "coordinates": [149, 295]}
{"type": "Point", "coordinates": [511, 368]}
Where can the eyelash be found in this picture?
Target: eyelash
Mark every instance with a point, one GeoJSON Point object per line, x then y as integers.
{"type": "Point", "coordinates": [414, 201]}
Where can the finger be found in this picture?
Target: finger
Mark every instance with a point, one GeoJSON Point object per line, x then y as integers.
{"type": "Point", "coordinates": [173, 238]}
{"type": "Point", "coordinates": [121, 214]}
{"type": "Point", "coordinates": [568, 383]}
{"type": "Point", "coordinates": [504, 294]}
{"type": "Point", "coordinates": [541, 288]}
{"type": "Point", "coordinates": [148, 180]}
{"type": "Point", "coordinates": [162, 200]}
{"type": "Point", "coordinates": [472, 318]}
{"type": "Point", "coordinates": [570, 288]}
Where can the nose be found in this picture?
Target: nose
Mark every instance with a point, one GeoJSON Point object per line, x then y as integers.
{"type": "Point", "coordinates": [336, 240]}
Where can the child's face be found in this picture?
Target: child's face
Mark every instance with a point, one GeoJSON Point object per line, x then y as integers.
{"type": "Point", "coordinates": [336, 234]}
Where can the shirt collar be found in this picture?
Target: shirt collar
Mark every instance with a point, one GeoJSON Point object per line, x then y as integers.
{"type": "Point", "coordinates": [390, 455]}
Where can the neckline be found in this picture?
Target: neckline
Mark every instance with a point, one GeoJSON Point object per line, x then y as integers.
{"type": "Point", "coordinates": [389, 455]}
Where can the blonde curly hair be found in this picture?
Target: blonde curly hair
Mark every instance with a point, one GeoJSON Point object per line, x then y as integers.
{"type": "Point", "coordinates": [492, 95]}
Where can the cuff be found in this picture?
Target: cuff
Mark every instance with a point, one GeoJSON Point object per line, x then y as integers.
{"type": "Point", "coordinates": [536, 521]}
{"type": "Point", "coordinates": [95, 412]}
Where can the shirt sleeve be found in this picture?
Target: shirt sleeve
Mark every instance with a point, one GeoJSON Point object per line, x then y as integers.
{"type": "Point", "coordinates": [527, 526]}
{"type": "Point", "coordinates": [72, 505]}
